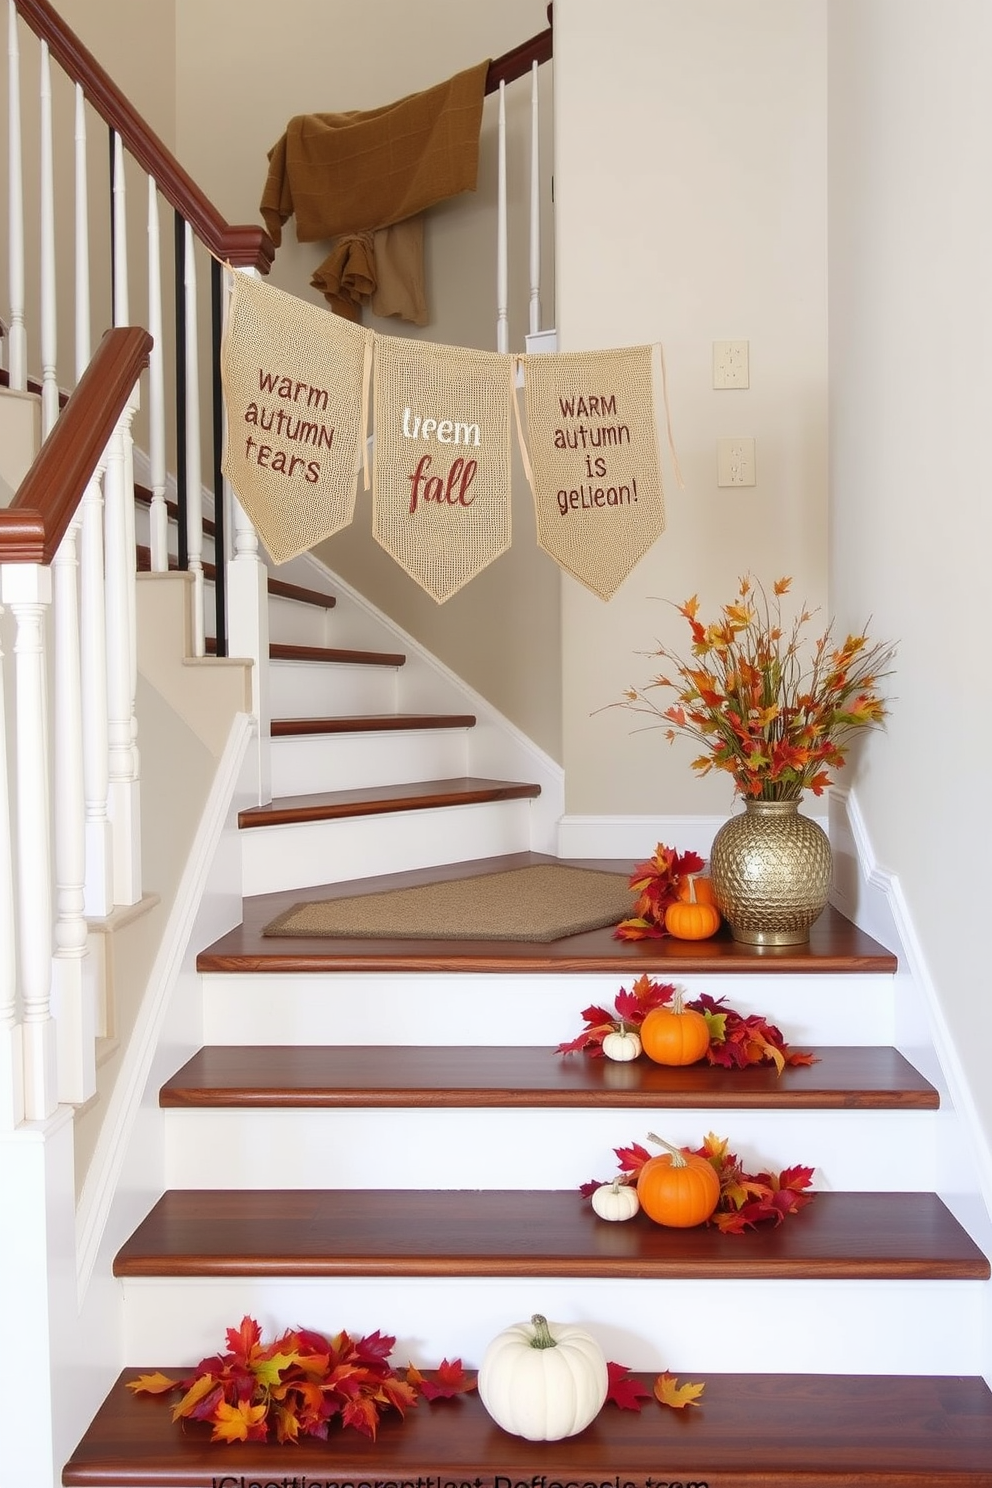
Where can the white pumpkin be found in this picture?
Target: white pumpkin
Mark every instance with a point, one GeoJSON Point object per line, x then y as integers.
{"type": "Point", "coordinates": [543, 1381]}
{"type": "Point", "coordinates": [622, 1045]}
{"type": "Point", "coordinates": [616, 1200]}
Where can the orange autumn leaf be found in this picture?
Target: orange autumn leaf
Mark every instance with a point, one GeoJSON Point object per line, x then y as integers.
{"type": "Point", "coordinates": [670, 1392]}
{"type": "Point", "coordinates": [152, 1384]}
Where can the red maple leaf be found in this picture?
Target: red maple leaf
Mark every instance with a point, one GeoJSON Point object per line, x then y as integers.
{"type": "Point", "coordinates": [625, 1391]}
{"type": "Point", "coordinates": [450, 1379]}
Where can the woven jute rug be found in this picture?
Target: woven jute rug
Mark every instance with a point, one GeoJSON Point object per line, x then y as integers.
{"type": "Point", "coordinates": [542, 902]}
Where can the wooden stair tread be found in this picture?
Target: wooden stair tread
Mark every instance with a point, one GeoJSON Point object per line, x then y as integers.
{"type": "Point", "coordinates": [329, 655]}
{"type": "Point", "coordinates": [858, 1077]}
{"type": "Point", "coordinates": [450, 1233]}
{"type": "Point", "coordinates": [275, 586]}
{"type": "Point", "coordinates": [369, 723]}
{"type": "Point", "coordinates": [300, 594]}
{"type": "Point", "coordinates": [377, 799]}
{"type": "Point", "coordinates": [750, 1431]}
{"type": "Point", "coordinates": [834, 946]}
{"type": "Point", "coordinates": [285, 651]}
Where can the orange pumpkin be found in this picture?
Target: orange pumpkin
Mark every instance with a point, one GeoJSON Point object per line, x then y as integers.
{"type": "Point", "coordinates": [696, 888]}
{"type": "Point", "coordinates": [675, 1034]}
{"type": "Point", "coordinates": [677, 1189]}
{"type": "Point", "coordinates": [693, 917]}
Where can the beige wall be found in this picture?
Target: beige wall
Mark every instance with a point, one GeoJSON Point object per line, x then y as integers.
{"type": "Point", "coordinates": [691, 207]}
{"type": "Point", "coordinates": [256, 68]}
{"type": "Point", "coordinates": [911, 389]}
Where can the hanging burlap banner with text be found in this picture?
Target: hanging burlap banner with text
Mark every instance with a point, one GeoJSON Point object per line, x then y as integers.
{"type": "Point", "coordinates": [441, 461]}
{"type": "Point", "coordinates": [293, 377]}
{"type": "Point", "coordinates": [593, 446]}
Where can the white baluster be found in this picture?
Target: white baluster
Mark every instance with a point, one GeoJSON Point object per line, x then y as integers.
{"type": "Point", "coordinates": [502, 296]}
{"type": "Point", "coordinates": [17, 355]}
{"type": "Point", "coordinates": [123, 800]}
{"type": "Point", "coordinates": [121, 311]}
{"type": "Point", "coordinates": [194, 487]}
{"type": "Point", "coordinates": [49, 358]}
{"type": "Point", "coordinates": [159, 516]}
{"type": "Point", "coordinates": [11, 1049]}
{"type": "Point", "coordinates": [27, 589]}
{"type": "Point", "coordinates": [83, 347]}
{"type": "Point", "coordinates": [99, 882]}
{"type": "Point", "coordinates": [72, 1000]}
{"type": "Point", "coordinates": [535, 204]}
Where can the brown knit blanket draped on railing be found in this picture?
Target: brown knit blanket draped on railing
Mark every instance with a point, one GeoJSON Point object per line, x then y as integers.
{"type": "Point", "coordinates": [358, 172]}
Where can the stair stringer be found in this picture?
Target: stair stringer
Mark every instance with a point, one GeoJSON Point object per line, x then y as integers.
{"type": "Point", "coordinates": [126, 1174]}
{"type": "Point", "coordinates": [497, 748]}
{"type": "Point", "coordinates": [872, 897]}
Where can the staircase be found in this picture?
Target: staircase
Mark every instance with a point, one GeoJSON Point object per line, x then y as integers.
{"type": "Point", "coordinates": [377, 1134]}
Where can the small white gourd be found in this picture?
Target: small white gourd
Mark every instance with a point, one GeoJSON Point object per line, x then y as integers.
{"type": "Point", "coordinates": [543, 1381]}
{"type": "Point", "coordinates": [616, 1200]}
{"type": "Point", "coordinates": [622, 1045]}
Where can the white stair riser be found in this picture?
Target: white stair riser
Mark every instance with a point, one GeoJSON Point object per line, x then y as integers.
{"type": "Point", "coordinates": [301, 624]}
{"type": "Point", "coordinates": [525, 1149]}
{"type": "Point", "coordinates": [818, 1327]}
{"type": "Point", "coordinates": [300, 689]}
{"type": "Point", "coordinates": [305, 764]}
{"type": "Point", "coordinates": [524, 1009]}
{"type": "Point", "coordinates": [308, 854]}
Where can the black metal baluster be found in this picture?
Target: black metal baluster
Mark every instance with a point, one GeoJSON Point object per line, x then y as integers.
{"type": "Point", "coordinates": [220, 583]}
{"type": "Point", "coordinates": [180, 274]}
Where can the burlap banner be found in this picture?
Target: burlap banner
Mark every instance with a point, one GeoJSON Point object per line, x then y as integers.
{"type": "Point", "coordinates": [441, 461]}
{"type": "Point", "coordinates": [596, 474]}
{"type": "Point", "coordinates": [293, 378]}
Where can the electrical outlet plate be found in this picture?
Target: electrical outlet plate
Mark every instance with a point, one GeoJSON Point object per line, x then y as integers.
{"type": "Point", "coordinates": [735, 462]}
{"type": "Point", "coordinates": [730, 364]}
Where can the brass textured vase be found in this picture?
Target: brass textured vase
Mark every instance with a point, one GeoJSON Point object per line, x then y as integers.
{"type": "Point", "coordinates": [770, 869]}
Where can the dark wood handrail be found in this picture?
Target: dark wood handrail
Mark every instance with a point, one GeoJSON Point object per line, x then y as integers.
{"type": "Point", "coordinates": [34, 524]}
{"type": "Point", "coordinates": [244, 245]}
{"type": "Point", "coordinates": [518, 62]}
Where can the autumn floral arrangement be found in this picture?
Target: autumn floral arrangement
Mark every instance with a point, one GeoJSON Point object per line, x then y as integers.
{"type": "Point", "coordinates": [774, 713]}
{"type": "Point", "coordinates": [736, 1039]}
{"type": "Point", "coordinates": [303, 1384]}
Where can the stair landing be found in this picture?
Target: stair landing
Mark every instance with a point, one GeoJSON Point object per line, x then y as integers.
{"type": "Point", "coordinates": [835, 945]}
{"type": "Point", "coordinates": [749, 1431]}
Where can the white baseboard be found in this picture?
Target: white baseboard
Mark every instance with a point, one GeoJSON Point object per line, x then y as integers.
{"type": "Point", "coordinates": [635, 837]}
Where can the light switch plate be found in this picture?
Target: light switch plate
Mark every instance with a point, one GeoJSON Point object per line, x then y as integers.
{"type": "Point", "coordinates": [730, 364]}
{"type": "Point", "coordinates": [735, 462]}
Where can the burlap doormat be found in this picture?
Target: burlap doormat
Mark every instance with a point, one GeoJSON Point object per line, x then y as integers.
{"type": "Point", "coordinates": [542, 902]}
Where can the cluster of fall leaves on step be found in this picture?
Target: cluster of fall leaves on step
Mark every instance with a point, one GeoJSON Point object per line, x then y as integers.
{"type": "Point", "coordinates": [302, 1383]}
{"type": "Point", "coordinates": [736, 1040]}
{"type": "Point", "coordinates": [746, 1199]}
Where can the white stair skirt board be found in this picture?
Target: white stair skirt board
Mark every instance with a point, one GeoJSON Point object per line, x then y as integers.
{"type": "Point", "coordinates": [820, 1327]}
{"type": "Point", "coordinates": [305, 764]}
{"type": "Point", "coordinates": [455, 1009]}
{"type": "Point", "coordinates": [300, 689]}
{"type": "Point", "coordinates": [312, 853]}
{"type": "Point", "coordinates": [434, 1148]}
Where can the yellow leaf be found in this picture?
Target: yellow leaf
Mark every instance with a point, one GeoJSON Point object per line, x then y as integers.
{"type": "Point", "coordinates": [267, 1371]}
{"type": "Point", "coordinates": [233, 1422]}
{"type": "Point", "coordinates": [151, 1384]}
{"type": "Point", "coordinates": [670, 1392]}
